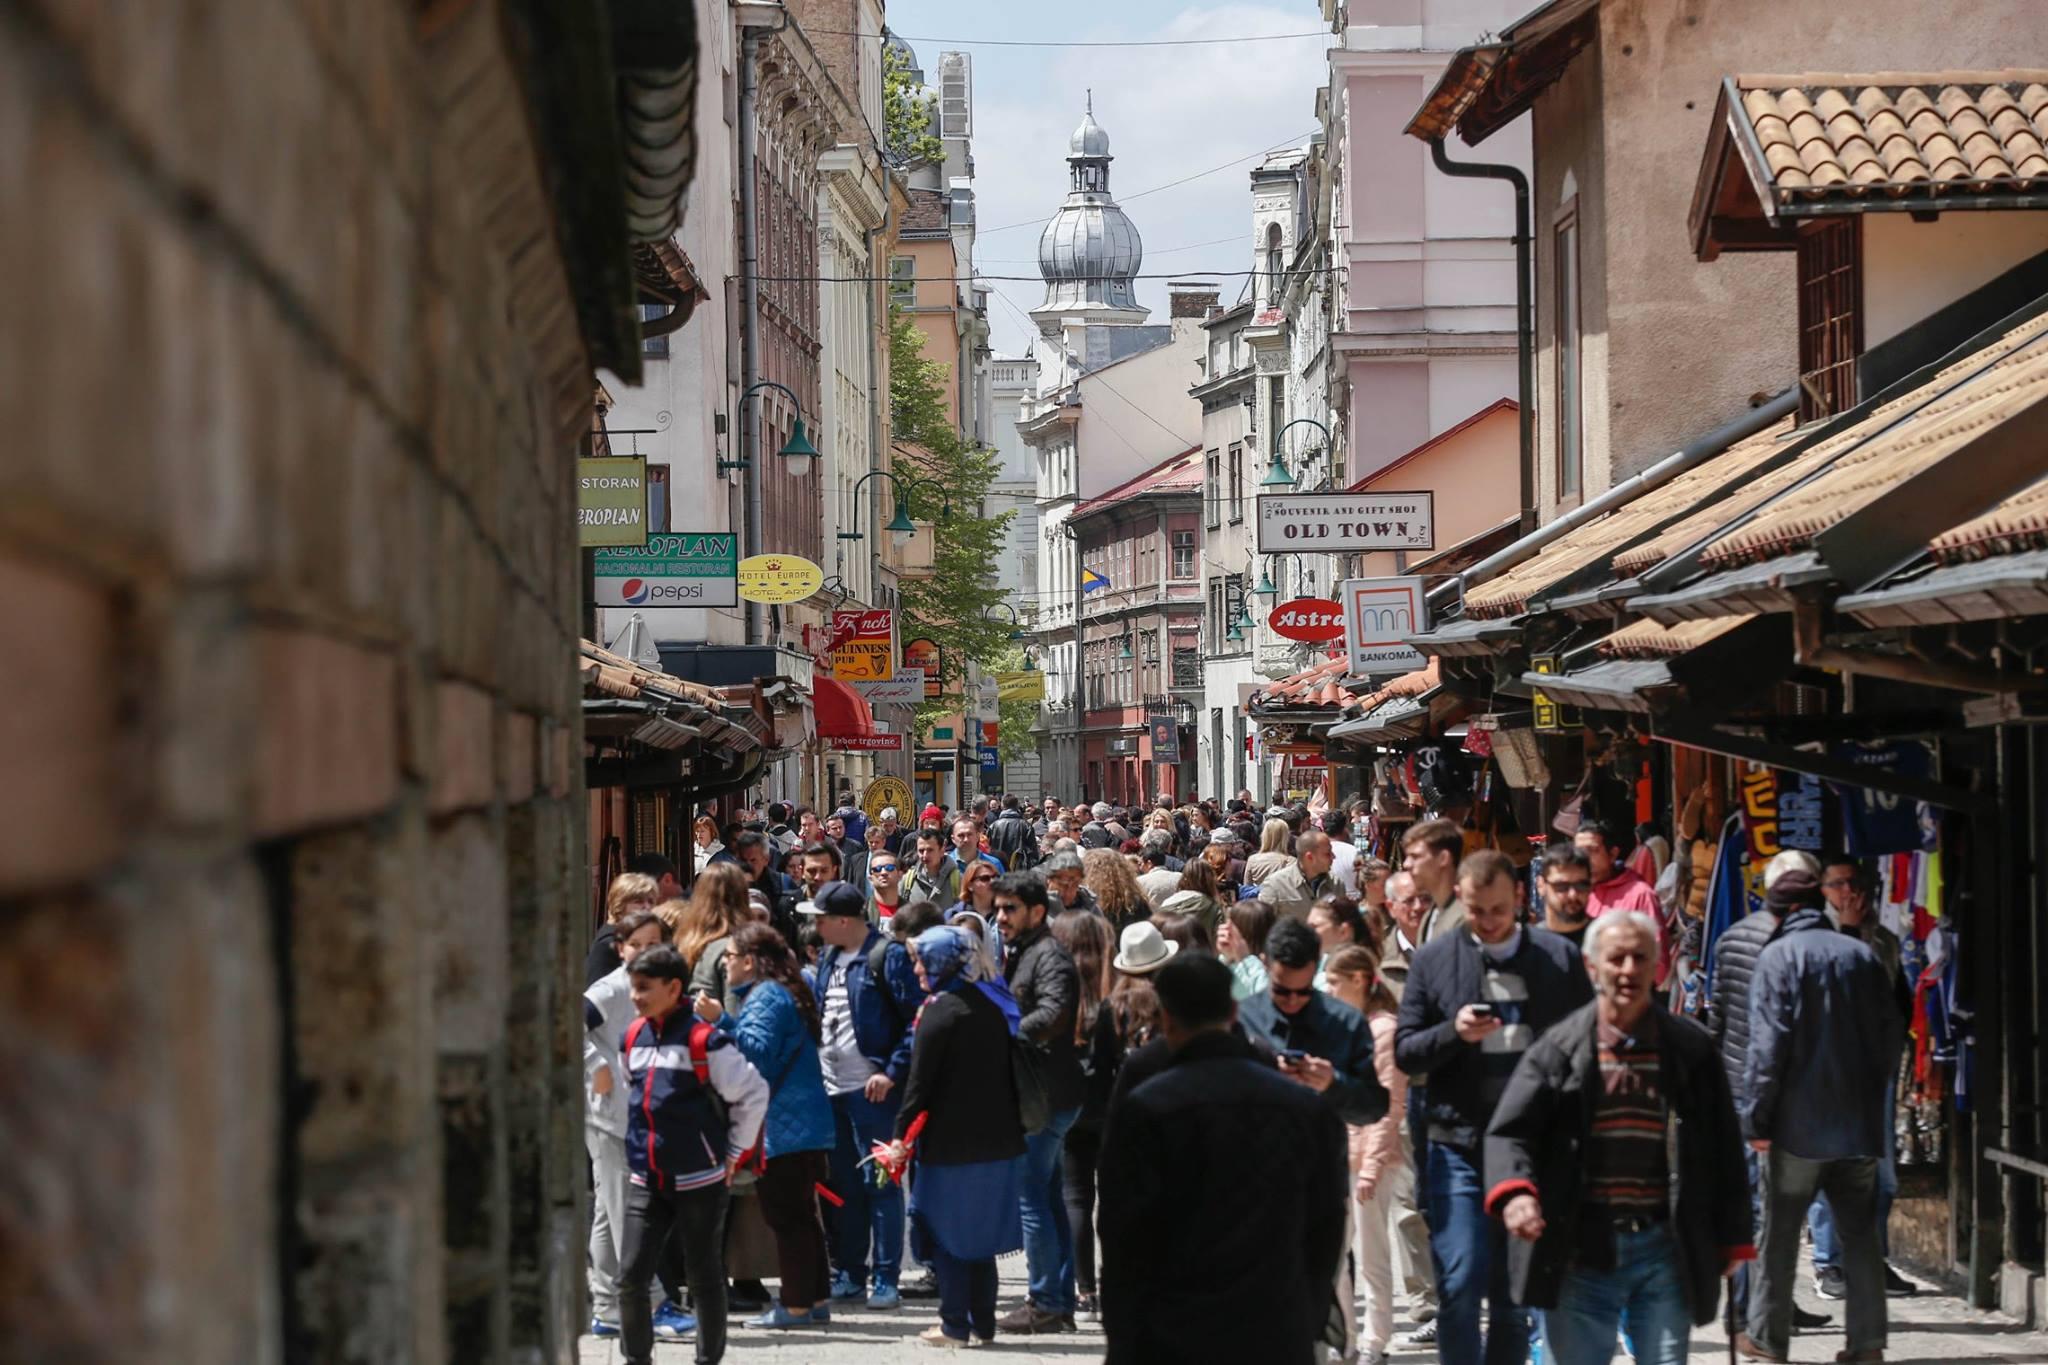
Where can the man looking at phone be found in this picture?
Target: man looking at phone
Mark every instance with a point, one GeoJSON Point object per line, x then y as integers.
{"type": "Point", "coordinates": [1320, 1041]}
{"type": "Point", "coordinates": [1476, 999]}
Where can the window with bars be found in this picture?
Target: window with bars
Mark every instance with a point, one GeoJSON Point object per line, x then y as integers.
{"type": "Point", "coordinates": [1212, 490]}
{"type": "Point", "coordinates": [1830, 316]}
{"type": "Point", "coordinates": [1187, 666]}
{"type": "Point", "coordinates": [1236, 484]}
{"type": "Point", "coordinates": [1183, 554]}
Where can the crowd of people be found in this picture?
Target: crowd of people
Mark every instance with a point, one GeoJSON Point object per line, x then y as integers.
{"type": "Point", "coordinates": [1275, 1079]}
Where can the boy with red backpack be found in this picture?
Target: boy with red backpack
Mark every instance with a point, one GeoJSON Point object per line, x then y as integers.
{"type": "Point", "coordinates": [693, 1115]}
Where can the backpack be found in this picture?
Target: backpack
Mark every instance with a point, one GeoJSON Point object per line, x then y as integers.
{"type": "Point", "coordinates": [1011, 839]}
{"type": "Point", "coordinates": [700, 1063]}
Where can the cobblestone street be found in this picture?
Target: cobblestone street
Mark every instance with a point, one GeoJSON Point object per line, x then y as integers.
{"type": "Point", "coordinates": [1926, 1327]}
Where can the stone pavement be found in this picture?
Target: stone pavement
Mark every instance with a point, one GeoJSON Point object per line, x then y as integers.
{"type": "Point", "coordinates": [1927, 1327]}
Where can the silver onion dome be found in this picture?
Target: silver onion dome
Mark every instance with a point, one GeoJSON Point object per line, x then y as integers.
{"type": "Point", "coordinates": [1090, 252]}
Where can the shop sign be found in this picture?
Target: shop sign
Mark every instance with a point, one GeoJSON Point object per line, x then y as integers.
{"type": "Point", "coordinates": [611, 501]}
{"type": "Point", "coordinates": [1551, 717]}
{"type": "Point", "coordinates": [1379, 613]}
{"type": "Point", "coordinates": [924, 654]}
{"type": "Point", "coordinates": [1340, 523]}
{"type": "Point", "coordinates": [1308, 619]}
{"type": "Point", "coordinates": [863, 645]}
{"type": "Point", "coordinates": [865, 743]}
{"type": "Point", "coordinates": [1165, 738]}
{"type": "Point", "coordinates": [690, 569]}
{"type": "Point", "coordinates": [779, 578]}
{"type": "Point", "coordinates": [1123, 744]}
{"type": "Point", "coordinates": [882, 793]}
{"type": "Point", "coordinates": [991, 758]}
{"type": "Point", "coordinates": [905, 689]}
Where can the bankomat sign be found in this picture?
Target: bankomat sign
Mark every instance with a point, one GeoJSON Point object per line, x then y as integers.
{"type": "Point", "coordinates": [1379, 615]}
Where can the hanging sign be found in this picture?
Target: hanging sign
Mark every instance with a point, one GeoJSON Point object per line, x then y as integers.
{"type": "Point", "coordinates": [779, 578]}
{"type": "Point", "coordinates": [882, 794]}
{"type": "Point", "coordinates": [691, 569]}
{"type": "Point", "coordinates": [1338, 523]}
{"type": "Point", "coordinates": [905, 689]}
{"type": "Point", "coordinates": [924, 654]}
{"type": "Point", "coordinates": [1165, 738]}
{"type": "Point", "coordinates": [1027, 685]}
{"type": "Point", "coordinates": [611, 500]}
{"type": "Point", "coordinates": [1379, 613]}
{"type": "Point", "coordinates": [1309, 619]}
{"type": "Point", "coordinates": [863, 645]}
{"type": "Point", "coordinates": [1550, 716]}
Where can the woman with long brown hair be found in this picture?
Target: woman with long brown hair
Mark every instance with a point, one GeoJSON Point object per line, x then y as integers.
{"type": "Point", "coordinates": [716, 909]}
{"type": "Point", "coordinates": [1109, 878]}
{"type": "Point", "coordinates": [777, 1027]}
{"type": "Point", "coordinates": [1086, 937]}
{"type": "Point", "coordinates": [1199, 894]}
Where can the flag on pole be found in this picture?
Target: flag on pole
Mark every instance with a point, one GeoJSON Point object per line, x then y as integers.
{"type": "Point", "coordinates": [1091, 580]}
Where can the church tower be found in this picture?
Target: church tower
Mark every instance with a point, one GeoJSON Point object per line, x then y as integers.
{"type": "Point", "coordinates": [1090, 251]}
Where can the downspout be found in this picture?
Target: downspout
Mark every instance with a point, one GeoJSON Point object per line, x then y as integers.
{"type": "Point", "coordinates": [875, 354]}
{"type": "Point", "coordinates": [1525, 309]}
{"type": "Point", "coordinates": [750, 359]}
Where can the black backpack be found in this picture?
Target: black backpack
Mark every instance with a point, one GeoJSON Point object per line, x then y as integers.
{"type": "Point", "coordinates": [1010, 838]}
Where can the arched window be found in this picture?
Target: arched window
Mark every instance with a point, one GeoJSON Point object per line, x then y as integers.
{"type": "Point", "coordinates": [1273, 263]}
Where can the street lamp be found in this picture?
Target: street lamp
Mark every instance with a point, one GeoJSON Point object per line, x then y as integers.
{"type": "Point", "coordinates": [797, 452]}
{"type": "Point", "coordinates": [1016, 626]}
{"type": "Point", "coordinates": [1276, 473]}
{"type": "Point", "coordinates": [900, 527]}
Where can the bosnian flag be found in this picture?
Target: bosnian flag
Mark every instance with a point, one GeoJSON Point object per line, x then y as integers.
{"type": "Point", "coordinates": [1091, 580]}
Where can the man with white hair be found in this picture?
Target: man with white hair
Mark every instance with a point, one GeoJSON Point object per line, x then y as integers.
{"type": "Point", "coordinates": [1615, 1159]}
{"type": "Point", "coordinates": [1096, 833]}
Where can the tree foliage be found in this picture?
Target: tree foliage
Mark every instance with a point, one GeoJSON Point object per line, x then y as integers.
{"type": "Point", "coordinates": [908, 112]}
{"type": "Point", "coordinates": [945, 478]}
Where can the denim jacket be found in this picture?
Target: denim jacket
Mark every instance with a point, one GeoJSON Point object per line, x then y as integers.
{"type": "Point", "coordinates": [882, 1010]}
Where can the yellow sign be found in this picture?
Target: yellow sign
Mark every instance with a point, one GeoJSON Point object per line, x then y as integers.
{"type": "Point", "coordinates": [779, 578]}
{"type": "Point", "coordinates": [884, 792]}
{"type": "Point", "coordinates": [1028, 685]}
{"type": "Point", "coordinates": [611, 501]}
{"type": "Point", "coordinates": [864, 645]}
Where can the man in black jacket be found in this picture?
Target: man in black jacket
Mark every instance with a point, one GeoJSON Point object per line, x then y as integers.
{"type": "Point", "coordinates": [1477, 998]}
{"type": "Point", "coordinates": [1010, 837]}
{"type": "Point", "coordinates": [1198, 1267]}
{"type": "Point", "coordinates": [753, 850]}
{"type": "Point", "coordinates": [1048, 991]}
{"type": "Point", "coordinates": [1580, 1165]}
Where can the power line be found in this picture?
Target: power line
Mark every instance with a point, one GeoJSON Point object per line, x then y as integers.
{"type": "Point", "coordinates": [1032, 279]}
{"type": "Point", "coordinates": [1049, 42]}
{"type": "Point", "coordinates": [1149, 251]}
{"type": "Point", "coordinates": [1171, 184]}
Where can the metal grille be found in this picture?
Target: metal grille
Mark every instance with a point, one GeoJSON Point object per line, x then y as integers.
{"type": "Point", "coordinates": [1830, 316]}
{"type": "Point", "coordinates": [650, 822]}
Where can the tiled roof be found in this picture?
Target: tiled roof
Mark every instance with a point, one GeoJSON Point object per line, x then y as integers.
{"type": "Point", "coordinates": [928, 211]}
{"type": "Point", "coordinates": [1933, 422]}
{"type": "Point", "coordinates": [2019, 523]}
{"type": "Point", "coordinates": [1323, 685]}
{"type": "Point", "coordinates": [1175, 474]}
{"type": "Point", "coordinates": [1893, 134]}
{"type": "Point", "coordinates": [1598, 540]}
{"type": "Point", "coordinates": [1650, 640]}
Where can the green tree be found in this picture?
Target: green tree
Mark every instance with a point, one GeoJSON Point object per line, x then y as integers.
{"type": "Point", "coordinates": [907, 113]}
{"type": "Point", "coordinates": [945, 479]}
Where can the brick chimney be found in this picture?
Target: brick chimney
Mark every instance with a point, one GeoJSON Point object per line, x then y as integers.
{"type": "Point", "coordinates": [1190, 298]}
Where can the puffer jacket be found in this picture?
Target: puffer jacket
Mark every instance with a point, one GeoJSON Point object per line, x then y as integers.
{"type": "Point", "coordinates": [770, 1031]}
{"type": "Point", "coordinates": [1735, 954]}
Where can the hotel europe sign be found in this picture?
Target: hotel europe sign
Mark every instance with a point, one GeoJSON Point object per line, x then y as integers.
{"type": "Point", "coordinates": [611, 501]}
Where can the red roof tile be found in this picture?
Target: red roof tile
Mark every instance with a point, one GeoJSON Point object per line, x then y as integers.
{"type": "Point", "coordinates": [1175, 474]}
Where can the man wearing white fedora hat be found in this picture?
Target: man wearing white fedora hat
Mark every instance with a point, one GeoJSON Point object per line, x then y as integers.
{"type": "Point", "coordinates": [1143, 949]}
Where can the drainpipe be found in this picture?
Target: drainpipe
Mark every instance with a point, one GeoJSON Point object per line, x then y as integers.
{"type": "Point", "coordinates": [1525, 309]}
{"type": "Point", "coordinates": [750, 357]}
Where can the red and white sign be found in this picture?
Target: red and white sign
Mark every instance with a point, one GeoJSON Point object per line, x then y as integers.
{"type": "Point", "coordinates": [862, 645]}
{"type": "Point", "coordinates": [865, 743]}
{"type": "Point", "coordinates": [1309, 619]}
{"type": "Point", "coordinates": [1379, 615]}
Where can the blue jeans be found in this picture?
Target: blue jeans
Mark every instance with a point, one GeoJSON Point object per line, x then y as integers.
{"type": "Point", "coordinates": [868, 1213]}
{"type": "Point", "coordinates": [1642, 1291]}
{"type": "Point", "coordinates": [1470, 1251]}
{"type": "Point", "coordinates": [1048, 1236]}
{"type": "Point", "coordinates": [1827, 1243]}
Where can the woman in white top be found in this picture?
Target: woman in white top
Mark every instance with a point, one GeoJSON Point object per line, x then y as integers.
{"type": "Point", "coordinates": [705, 833]}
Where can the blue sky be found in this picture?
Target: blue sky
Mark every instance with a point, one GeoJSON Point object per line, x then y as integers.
{"type": "Point", "coordinates": [1169, 112]}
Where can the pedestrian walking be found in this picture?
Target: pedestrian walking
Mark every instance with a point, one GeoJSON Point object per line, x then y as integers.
{"type": "Point", "coordinates": [1824, 1040]}
{"type": "Point", "coordinates": [694, 1113]}
{"type": "Point", "coordinates": [716, 910]}
{"type": "Point", "coordinates": [776, 1025]}
{"type": "Point", "coordinates": [1114, 888]}
{"type": "Point", "coordinates": [1088, 940]}
{"type": "Point", "coordinates": [1241, 942]}
{"type": "Point", "coordinates": [1338, 924]}
{"type": "Point", "coordinates": [1274, 837]}
{"type": "Point", "coordinates": [935, 877]}
{"type": "Point", "coordinates": [1352, 973]}
{"type": "Point", "coordinates": [1041, 976]}
{"type": "Point", "coordinates": [1011, 837]}
{"type": "Point", "coordinates": [1198, 1268]}
{"type": "Point", "coordinates": [628, 892]}
{"type": "Point", "coordinates": [1615, 1161]}
{"type": "Point", "coordinates": [1477, 997]}
{"type": "Point", "coordinates": [1567, 879]}
{"type": "Point", "coordinates": [1196, 893]}
{"type": "Point", "coordinates": [1294, 888]}
{"type": "Point", "coordinates": [868, 996]}
{"type": "Point", "coordinates": [966, 1185]}
{"type": "Point", "coordinates": [1406, 909]}
{"type": "Point", "coordinates": [1430, 851]}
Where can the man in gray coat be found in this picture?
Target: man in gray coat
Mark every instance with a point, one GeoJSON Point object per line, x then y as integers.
{"type": "Point", "coordinates": [1823, 1040]}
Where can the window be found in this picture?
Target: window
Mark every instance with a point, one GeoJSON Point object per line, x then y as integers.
{"type": "Point", "coordinates": [1274, 263]}
{"type": "Point", "coordinates": [1236, 484]}
{"type": "Point", "coordinates": [1571, 435]}
{"type": "Point", "coordinates": [1830, 316]}
{"type": "Point", "coordinates": [1212, 489]}
{"type": "Point", "coordinates": [657, 499]}
{"type": "Point", "coordinates": [1213, 624]}
{"type": "Point", "coordinates": [1187, 666]}
{"type": "Point", "coordinates": [902, 282]}
{"type": "Point", "coordinates": [1151, 638]}
{"type": "Point", "coordinates": [1276, 416]}
{"type": "Point", "coordinates": [1183, 554]}
{"type": "Point", "coordinates": [654, 346]}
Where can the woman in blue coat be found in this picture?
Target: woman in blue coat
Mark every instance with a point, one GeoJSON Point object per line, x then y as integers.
{"type": "Point", "coordinates": [775, 1022]}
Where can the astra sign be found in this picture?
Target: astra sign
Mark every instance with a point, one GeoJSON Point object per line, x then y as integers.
{"type": "Point", "coordinates": [1310, 619]}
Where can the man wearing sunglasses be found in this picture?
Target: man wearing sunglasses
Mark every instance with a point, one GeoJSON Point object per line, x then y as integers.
{"type": "Point", "coordinates": [885, 885]}
{"type": "Point", "coordinates": [1319, 1041]}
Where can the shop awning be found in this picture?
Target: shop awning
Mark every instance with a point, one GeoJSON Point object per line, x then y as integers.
{"type": "Point", "coordinates": [1629, 669]}
{"type": "Point", "coordinates": [842, 712]}
{"type": "Point", "coordinates": [644, 727]}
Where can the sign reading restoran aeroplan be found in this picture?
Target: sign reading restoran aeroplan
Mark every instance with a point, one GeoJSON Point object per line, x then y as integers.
{"type": "Point", "coordinates": [611, 501]}
{"type": "Point", "coordinates": [687, 570]}
{"type": "Point", "coordinates": [1340, 523]}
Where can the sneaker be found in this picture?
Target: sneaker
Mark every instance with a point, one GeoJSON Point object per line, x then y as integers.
{"type": "Point", "coordinates": [1829, 1283]}
{"type": "Point", "coordinates": [925, 1286]}
{"type": "Point", "coordinates": [1089, 1307]}
{"type": "Point", "coordinates": [1425, 1335]}
{"type": "Point", "coordinates": [600, 1328]}
{"type": "Point", "coordinates": [1808, 1321]}
{"type": "Point", "coordinates": [671, 1323]}
{"type": "Point", "coordinates": [780, 1319]}
{"type": "Point", "coordinates": [883, 1298]}
{"type": "Point", "coordinates": [1031, 1320]}
{"type": "Point", "coordinates": [844, 1287]}
{"type": "Point", "coordinates": [1897, 1286]}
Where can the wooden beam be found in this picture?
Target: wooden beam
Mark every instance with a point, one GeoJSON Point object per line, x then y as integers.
{"type": "Point", "coordinates": [1755, 750]}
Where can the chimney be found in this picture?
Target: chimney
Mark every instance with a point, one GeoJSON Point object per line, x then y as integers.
{"type": "Point", "coordinates": [1190, 298]}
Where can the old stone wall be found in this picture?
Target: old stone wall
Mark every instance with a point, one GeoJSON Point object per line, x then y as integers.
{"type": "Point", "coordinates": [290, 822]}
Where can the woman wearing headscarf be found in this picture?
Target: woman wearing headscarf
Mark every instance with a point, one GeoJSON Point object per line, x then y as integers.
{"type": "Point", "coordinates": [964, 1191]}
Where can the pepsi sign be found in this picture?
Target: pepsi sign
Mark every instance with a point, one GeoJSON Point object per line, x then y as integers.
{"type": "Point", "coordinates": [1308, 619]}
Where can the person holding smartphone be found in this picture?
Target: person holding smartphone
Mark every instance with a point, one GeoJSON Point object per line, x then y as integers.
{"type": "Point", "coordinates": [1476, 998]}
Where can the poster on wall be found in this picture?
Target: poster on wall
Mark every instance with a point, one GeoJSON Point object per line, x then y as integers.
{"type": "Point", "coordinates": [905, 689]}
{"type": "Point", "coordinates": [1379, 615]}
{"type": "Point", "coordinates": [1165, 738]}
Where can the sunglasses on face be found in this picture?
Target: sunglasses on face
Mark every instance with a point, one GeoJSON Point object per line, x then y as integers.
{"type": "Point", "coordinates": [1292, 991]}
{"type": "Point", "coordinates": [1569, 888]}
{"type": "Point", "coordinates": [881, 867]}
